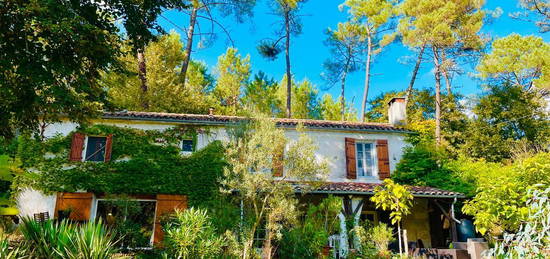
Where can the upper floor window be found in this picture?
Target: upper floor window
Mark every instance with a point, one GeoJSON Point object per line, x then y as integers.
{"type": "Point", "coordinates": [95, 149]}
{"type": "Point", "coordinates": [187, 146]}
{"type": "Point", "coordinates": [365, 157]}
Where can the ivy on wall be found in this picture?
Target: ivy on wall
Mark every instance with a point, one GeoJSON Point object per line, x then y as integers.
{"type": "Point", "coordinates": [142, 162]}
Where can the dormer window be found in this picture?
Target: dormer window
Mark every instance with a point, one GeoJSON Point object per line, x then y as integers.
{"type": "Point", "coordinates": [187, 146]}
{"type": "Point", "coordinates": [365, 157]}
{"type": "Point", "coordinates": [95, 149]}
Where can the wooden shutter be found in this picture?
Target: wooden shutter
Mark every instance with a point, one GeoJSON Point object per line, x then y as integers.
{"type": "Point", "coordinates": [77, 145]}
{"type": "Point", "coordinates": [278, 165]}
{"type": "Point", "coordinates": [166, 204]}
{"type": "Point", "coordinates": [79, 203]}
{"type": "Point", "coordinates": [351, 166]}
{"type": "Point", "coordinates": [383, 159]}
{"type": "Point", "coordinates": [108, 147]}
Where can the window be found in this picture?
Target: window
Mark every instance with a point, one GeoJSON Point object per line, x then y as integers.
{"type": "Point", "coordinates": [132, 220]}
{"type": "Point", "coordinates": [187, 146]}
{"type": "Point", "coordinates": [95, 149]}
{"type": "Point", "coordinates": [365, 156]}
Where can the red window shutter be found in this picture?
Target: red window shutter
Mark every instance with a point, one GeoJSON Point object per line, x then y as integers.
{"type": "Point", "coordinates": [108, 147]}
{"type": "Point", "coordinates": [76, 147]}
{"type": "Point", "coordinates": [278, 165]}
{"type": "Point", "coordinates": [383, 159]}
{"type": "Point", "coordinates": [166, 204]}
{"type": "Point", "coordinates": [78, 203]}
{"type": "Point", "coordinates": [351, 164]}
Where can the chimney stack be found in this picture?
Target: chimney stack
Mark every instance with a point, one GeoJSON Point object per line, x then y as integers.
{"type": "Point", "coordinates": [397, 112]}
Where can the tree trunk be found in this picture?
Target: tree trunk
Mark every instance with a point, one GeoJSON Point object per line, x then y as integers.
{"type": "Point", "coordinates": [415, 72]}
{"type": "Point", "coordinates": [399, 239]}
{"type": "Point", "coordinates": [446, 74]}
{"type": "Point", "coordinates": [437, 97]}
{"type": "Point", "coordinates": [344, 75]}
{"type": "Point", "coordinates": [367, 78]}
{"type": "Point", "coordinates": [288, 73]}
{"type": "Point", "coordinates": [142, 74]}
{"type": "Point", "coordinates": [267, 245]}
{"type": "Point", "coordinates": [189, 45]}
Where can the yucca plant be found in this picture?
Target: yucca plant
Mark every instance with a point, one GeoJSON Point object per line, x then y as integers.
{"type": "Point", "coordinates": [65, 240]}
{"type": "Point", "coordinates": [46, 239]}
{"type": "Point", "coordinates": [90, 241]}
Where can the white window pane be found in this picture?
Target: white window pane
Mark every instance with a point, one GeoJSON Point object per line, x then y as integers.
{"type": "Point", "coordinates": [359, 147]}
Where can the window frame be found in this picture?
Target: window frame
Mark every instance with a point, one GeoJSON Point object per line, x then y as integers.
{"type": "Point", "coordinates": [374, 159]}
{"type": "Point", "coordinates": [85, 149]}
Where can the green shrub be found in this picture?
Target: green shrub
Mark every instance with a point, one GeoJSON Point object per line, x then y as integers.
{"type": "Point", "coordinates": [190, 234]}
{"type": "Point", "coordinates": [374, 240]}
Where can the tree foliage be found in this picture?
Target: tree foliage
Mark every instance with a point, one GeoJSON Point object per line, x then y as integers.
{"type": "Point", "coordinates": [51, 53]}
{"type": "Point", "coordinates": [233, 73]}
{"type": "Point", "coordinates": [508, 120]}
{"type": "Point", "coordinates": [166, 92]}
{"type": "Point", "coordinates": [518, 60]}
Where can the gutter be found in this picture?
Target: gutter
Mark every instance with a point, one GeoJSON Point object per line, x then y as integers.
{"type": "Point", "coordinates": [225, 123]}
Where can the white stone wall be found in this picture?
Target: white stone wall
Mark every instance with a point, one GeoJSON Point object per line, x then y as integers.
{"type": "Point", "coordinates": [31, 201]}
{"type": "Point", "coordinates": [331, 144]}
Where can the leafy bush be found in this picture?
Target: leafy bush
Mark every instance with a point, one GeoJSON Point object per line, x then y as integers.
{"type": "Point", "coordinates": [190, 234]}
{"type": "Point", "coordinates": [66, 240]}
{"type": "Point", "coordinates": [374, 240]}
{"type": "Point", "coordinates": [308, 239]}
{"type": "Point", "coordinates": [501, 195]}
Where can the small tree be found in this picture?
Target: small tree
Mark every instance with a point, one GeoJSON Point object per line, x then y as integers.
{"type": "Point", "coordinates": [395, 198]}
{"type": "Point", "coordinates": [256, 157]}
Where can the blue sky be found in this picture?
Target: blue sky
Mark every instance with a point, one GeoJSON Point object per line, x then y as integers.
{"type": "Point", "coordinates": [308, 51]}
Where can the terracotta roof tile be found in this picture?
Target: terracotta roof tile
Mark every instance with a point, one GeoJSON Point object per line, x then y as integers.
{"type": "Point", "coordinates": [368, 188]}
{"type": "Point", "coordinates": [227, 120]}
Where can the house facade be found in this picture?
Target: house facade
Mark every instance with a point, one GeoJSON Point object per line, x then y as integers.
{"type": "Point", "coordinates": [360, 157]}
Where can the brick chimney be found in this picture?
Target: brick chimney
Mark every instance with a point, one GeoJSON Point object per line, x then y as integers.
{"type": "Point", "coordinates": [397, 112]}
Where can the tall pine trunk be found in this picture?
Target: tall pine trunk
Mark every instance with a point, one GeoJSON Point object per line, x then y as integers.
{"type": "Point", "coordinates": [189, 44]}
{"type": "Point", "coordinates": [288, 73]}
{"type": "Point", "coordinates": [415, 73]}
{"type": "Point", "coordinates": [342, 93]}
{"type": "Point", "coordinates": [446, 74]}
{"type": "Point", "coordinates": [142, 74]}
{"type": "Point", "coordinates": [367, 78]}
{"type": "Point", "coordinates": [437, 97]}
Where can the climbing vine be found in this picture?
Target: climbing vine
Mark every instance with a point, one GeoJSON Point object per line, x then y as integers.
{"type": "Point", "coordinates": [142, 162]}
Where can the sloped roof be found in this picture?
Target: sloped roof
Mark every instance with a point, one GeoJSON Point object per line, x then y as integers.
{"type": "Point", "coordinates": [368, 189]}
{"type": "Point", "coordinates": [229, 120]}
